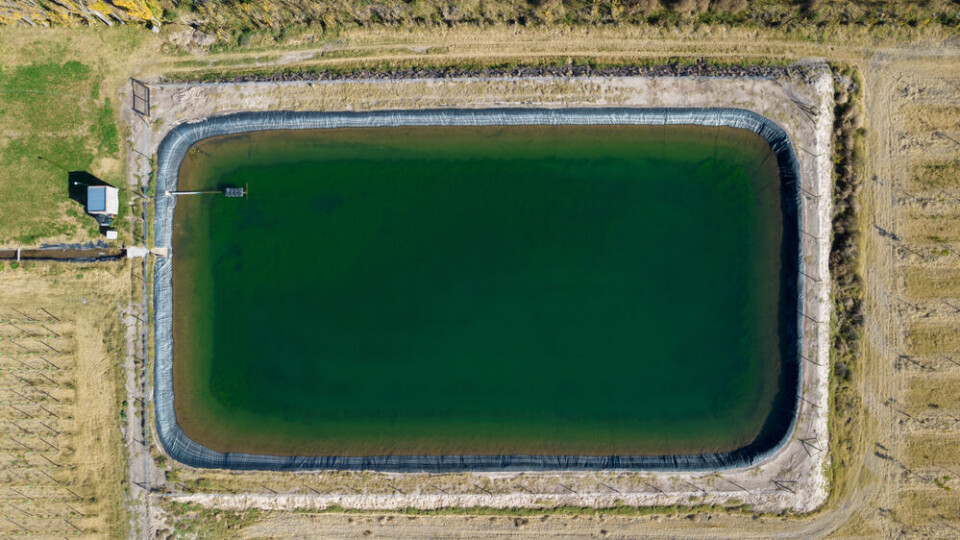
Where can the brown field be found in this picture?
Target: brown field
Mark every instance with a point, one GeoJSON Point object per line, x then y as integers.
{"type": "Point", "coordinates": [61, 456]}
{"type": "Point", "coordinates": [928, 509]}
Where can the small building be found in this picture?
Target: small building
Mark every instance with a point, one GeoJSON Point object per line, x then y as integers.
{"type": "Point", "coordinates": [103, 200]}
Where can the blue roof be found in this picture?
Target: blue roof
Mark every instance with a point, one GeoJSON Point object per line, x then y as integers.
{"type": "Point", "coordinates": [96, 199]}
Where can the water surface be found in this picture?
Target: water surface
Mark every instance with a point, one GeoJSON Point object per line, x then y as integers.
{"type": "Point", "coordinates": [498, 290]}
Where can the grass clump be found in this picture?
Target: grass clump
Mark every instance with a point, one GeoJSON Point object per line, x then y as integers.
{"type": "Point", "coordinates": [942, 482]}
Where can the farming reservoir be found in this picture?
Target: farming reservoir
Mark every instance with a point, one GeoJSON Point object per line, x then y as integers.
{"type": "Point", "coordinates": [463, 292]}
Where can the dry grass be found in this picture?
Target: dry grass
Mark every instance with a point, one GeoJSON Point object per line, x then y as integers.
{"type": "Point", "coordinates": [926, 338]}
{"type": "Point", "coordinates": [926, 175]}
{"type": "Point", "coordinates": [934, 391]}
{"type": "Point", "coordinates": [930, 452]}
{"type": "Point", "coordinates": [61, 456]}
{"type": "Point", "coordinates": [923, 228]}
{"type": "Point", "coordinates": [932, 282]}
{"type": "Point", "coordinates": [187, 480]}
{"type": "Point", "coordinates": [857, 527]}
{"type": "Point", "coordinates": [929, 507]}
{"type": "Point", "coordinates": [926, 118]}
{"type": "Point", "coordinates": [933, 450]}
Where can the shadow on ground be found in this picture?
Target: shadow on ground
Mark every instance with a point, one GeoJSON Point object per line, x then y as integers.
{"type": "Point", "coordinates": [77, 184]}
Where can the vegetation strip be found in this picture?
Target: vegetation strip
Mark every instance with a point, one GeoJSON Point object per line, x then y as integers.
{"type": "Point", "coordinates": [549, 67]}
{"type": "Point", "coordinates": [845, 273]}
{"type": "Point", "coordinates": [234, 24]}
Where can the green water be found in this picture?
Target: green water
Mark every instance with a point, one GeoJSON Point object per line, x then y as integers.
{"type": "Point", "coordinates": [544, 290]}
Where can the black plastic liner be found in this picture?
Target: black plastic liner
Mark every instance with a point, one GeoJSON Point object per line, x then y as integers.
{"type": "Point", "coordinates": [774, 434]}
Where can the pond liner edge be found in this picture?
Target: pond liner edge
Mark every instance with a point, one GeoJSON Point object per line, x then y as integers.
{"type": "Point", "coordinates": [776, 432]}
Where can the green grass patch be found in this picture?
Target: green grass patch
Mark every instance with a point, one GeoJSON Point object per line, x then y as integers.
{"type": "Point", "coordinates": [105, 129]}
{"type": "Point", "coordinates": [51, 122]}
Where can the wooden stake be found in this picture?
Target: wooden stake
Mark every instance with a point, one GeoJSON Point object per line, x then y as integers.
{"type": "Point", "coordinates": [738, 485]}
{"type": "Point", "coordinates": [654, 487]}
{"type": "Point", "coordinates": [20, 443]}
{"type": "Point", "coordinates": [29, 318]}
{"type": "Point", "coordinates": [67, 521]}
{"type": "Point", "coordinates": [478, 486]}
{"type": "Point", "coordinates": [525, 489]}
{"type": "Point", "coordinates": [18, 525]}
{"type": "Point", "coordinates": [49, 362]}
{"type": "Point", "coordinates": [610, 488]}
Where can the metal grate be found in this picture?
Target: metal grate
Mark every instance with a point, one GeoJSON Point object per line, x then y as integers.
{"type": "Point", "coordinates": [141, 97]}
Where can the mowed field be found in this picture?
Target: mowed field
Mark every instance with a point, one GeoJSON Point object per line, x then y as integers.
{"type": "Point", "coordinates": [61, 461]}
